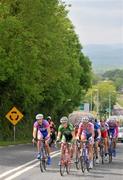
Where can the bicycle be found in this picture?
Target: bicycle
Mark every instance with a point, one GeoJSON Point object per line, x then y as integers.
{"type": "Point", "coordinates": [65, 160]}
{"type": "Point", "coordinates": [84, 157]}
{"type": "Point", "coordinates": [43, 156]}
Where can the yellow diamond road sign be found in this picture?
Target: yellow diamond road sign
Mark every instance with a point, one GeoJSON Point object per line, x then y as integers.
{"type": "Point", "coordinates": [14, 115]}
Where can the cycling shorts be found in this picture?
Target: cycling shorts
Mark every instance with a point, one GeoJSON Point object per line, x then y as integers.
{"type": "Point", "coordinates": [41, 135]}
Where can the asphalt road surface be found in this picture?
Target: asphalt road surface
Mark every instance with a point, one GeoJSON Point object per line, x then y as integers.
{"type": "Point", "coordinates": [18, 162]}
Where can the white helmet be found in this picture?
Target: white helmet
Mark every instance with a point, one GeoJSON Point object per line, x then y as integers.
{"type": "Point", "coordinates": [39, 116]}
{"type": "Point", "coordinates": [63, 119]}
{"type": "Point", "coordinates": [85, 119]}
{"type": "Point", "coordinates": [49, 117]}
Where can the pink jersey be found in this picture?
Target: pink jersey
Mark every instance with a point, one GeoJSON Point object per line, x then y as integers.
{"type": "Point", "coordinates": [43, 127]}
{"type": "Point", "coordinates": [89, 128]}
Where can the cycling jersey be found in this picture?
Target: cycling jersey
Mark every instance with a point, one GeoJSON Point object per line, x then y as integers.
{"type": "Point", "coordinates": [42, 129]}
{"type": "Point", "coordinates": [52, 126]}
{"type": "Point", "coordinates": [113, 128]}
{"type": "Point", "coordinates": [96, 128]}
{"type": "Point", "coordinates": [66, 132]}
{"type": "Point", "coordinates": [86, 130]}
{"type": "Point", "coordinates": [104, 129]}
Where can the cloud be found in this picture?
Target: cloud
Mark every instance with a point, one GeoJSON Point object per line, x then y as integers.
{"type": "Point", "coordinates": [99, 21]}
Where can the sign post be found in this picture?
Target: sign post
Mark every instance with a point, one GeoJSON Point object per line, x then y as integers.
{"type": "Point", "coordinates": [14, 132]}
{"type": "Point", "coordinates": [14, 116]}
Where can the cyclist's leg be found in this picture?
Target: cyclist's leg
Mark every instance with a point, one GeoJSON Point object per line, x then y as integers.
{"type": "Point", "coordinates": [39, 137]}
{"type": "Point", "coordinates": [105, 138]}
{"type": "Point", "coordinates": [90, 149]}
{"type": "Point", "coordinates": [63, 140]}
{"type": "Point", "coordinates": [97, 151]}
{"type": "Point", "coordinates": [48, 149]}
{"type": "Point", "coordinates": [47, 145]}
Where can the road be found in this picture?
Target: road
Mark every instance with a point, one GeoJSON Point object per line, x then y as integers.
{"type": "Point", "coordinates": [18, 162]}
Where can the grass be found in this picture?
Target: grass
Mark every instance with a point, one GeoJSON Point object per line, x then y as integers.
{"type": "Point", "coordinates": [6, 143]}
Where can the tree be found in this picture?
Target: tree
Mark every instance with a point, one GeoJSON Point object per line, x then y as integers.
{"type": "Point", "coordinates": [41, 60]}
{"type": "Point", "coordinates": [116, 76]}
{"type": "Point", "coordinates": [102, 95]}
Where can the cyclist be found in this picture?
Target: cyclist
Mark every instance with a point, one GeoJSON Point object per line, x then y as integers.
{"type": "Point", "coordinates": [113, 131]}
{"type": "Point", "coordinates": [86, 132]}
{"type": "Point", "coordinates": [104, 135]}
{"type": "Point", "coordinates": [97, 138]}
{"type": "Point", "coordinates": [52, 131]}
{"type": "Point", "coordinates": [66, 134]}
{"type": "Point", "coordinates": [41, 129]}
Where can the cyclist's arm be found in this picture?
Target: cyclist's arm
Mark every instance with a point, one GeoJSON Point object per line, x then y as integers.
{"type": "Point", "coordinates": [73, 134]}
{"type": "Point", "coordinates": [99, 132]}
{"type": "Point", "coordinates": [59, 135]}
{"type": "Point", "coordinates": [92, 131]}
{"type": "Point", "coordinates": [34, 134]}
{"type": "Point", "coordinates": [80, 129]}
{"type": "Point", "coordinates": [48, 130]}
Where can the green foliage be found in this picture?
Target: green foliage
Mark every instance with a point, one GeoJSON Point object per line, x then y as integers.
{"type": "Point", "coordinates": [41, 62]}
{"type": "Point", "coordinates": [103, 95]}
{"type": "Point", "coordinates": [116, 76]}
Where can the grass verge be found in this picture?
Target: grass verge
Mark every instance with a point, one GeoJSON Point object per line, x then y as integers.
{"type": "Point", "coordinates": [6, 143]}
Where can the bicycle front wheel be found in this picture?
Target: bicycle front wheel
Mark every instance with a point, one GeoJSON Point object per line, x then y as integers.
{"type": "Point", "coordinates": [77, 160]}
{"type": "Point", "coordinates": [68, 165]}
{"type": "Point", "coordinates": [102, 154]}
{"type": "Point", "coordinates": [110, 155]}
{"type": "Point", "coordinates": [83, 164]}
{"type": "Point", "coordinates": [41, 165]}
{"type": "Point", "coordinates": [44, 164]}
{"type": "Point", "coordinates": [94, 158]}
{"type": "Point", "coordinates": [62, 169]}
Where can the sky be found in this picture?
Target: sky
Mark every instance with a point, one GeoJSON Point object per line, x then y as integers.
{"type": "Point", "coordinates": [97, 21]}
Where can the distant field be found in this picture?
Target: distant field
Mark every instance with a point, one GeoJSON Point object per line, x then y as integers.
{"type": "Point", "coordinates": [120, 99]}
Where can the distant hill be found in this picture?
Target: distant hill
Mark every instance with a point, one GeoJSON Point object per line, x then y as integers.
{"type": "Point", "coordinates": [105, 57]}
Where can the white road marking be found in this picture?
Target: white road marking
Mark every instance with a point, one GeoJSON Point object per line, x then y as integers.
{"type": "Point", "coordinates": [26, 169]}
{"type": "Point", "coordinates": [22, 166]}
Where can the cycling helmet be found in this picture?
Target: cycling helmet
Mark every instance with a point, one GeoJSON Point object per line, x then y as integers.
{"type": "Point", "coordinates": [63, 119]}
{"type": "Point", "coordinates": [49, 117]}
{"type": "Point", "coordinates": [85, 119]}
{"type": "Point", "coordinates": [39, 116]}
